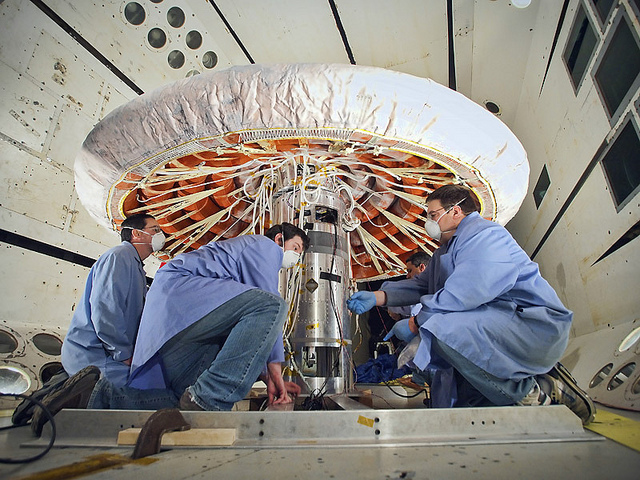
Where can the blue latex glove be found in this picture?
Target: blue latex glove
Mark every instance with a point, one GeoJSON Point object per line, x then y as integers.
{"type": "Point", "coordinates": [361, 302]}
{"type": "Point", "coordinates": [401, 330]}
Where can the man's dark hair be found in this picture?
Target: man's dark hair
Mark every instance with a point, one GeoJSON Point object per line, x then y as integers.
{"type": "Point", "coordinates": [288, 231]}
{"type": "Point", "coordinates": [419, 258]}
{"type": "Point", "coordinates": [449, 195]}
{"type": "Point", "coordinates": [137, 221]}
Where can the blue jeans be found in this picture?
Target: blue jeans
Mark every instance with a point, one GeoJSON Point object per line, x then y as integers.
{"type": "Point", "coordinates": [218, 358]}
{"type": "Point", "coordinates": [475, 386]}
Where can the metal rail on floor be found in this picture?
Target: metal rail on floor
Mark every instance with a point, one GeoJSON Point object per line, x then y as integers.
{"type": "Point", "coordinates": [350, 427]}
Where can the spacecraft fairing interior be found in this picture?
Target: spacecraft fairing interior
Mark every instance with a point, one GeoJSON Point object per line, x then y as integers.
{"type": "Point", "coordinates": [221, 118]}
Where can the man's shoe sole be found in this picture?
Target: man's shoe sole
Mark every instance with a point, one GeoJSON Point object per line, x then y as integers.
{"type": "Point", "coordinates": [74, 393]}
{"type": "Point", "coordinates": [562, 374]}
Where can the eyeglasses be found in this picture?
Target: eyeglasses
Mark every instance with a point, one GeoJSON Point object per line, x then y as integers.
{"type": "Point", "coordinates": [154, 229]}
{"type": "Point", "coordinates": [432, 214]}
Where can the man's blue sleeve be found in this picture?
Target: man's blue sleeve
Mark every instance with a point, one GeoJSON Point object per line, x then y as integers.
{"type": "Point", "coordinates": [406, 292]}
{"type": "Point", "coordinates": [114, 325]}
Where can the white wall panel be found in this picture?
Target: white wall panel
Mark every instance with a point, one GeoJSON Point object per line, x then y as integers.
{"type": "Point", "coordinates": [120, 43]}
{"type": "Point", "coordinates": [45, 291]}
{"type": "Point", "coordinates": [559, 267]}
{"type": "Point", "coordinates": [286, 31]}
{"type": "Point", "coordinates": [32, 187]}
{"type": "Point", "coordinates": [66, 75]}
{"type": "Point", "coordinates": [544, 31]}
{"type": "Point", "coordinates": [498, 72]}
{"type": "Point", "coordinates": [216, 36]}
{"type": "Point", "coordinates": [463, 26]}
{"type": "Point", "coordinates": [592, 234]}
{"type": "Point", "coordinates": [19, 30]}
{"type": "Point", "coordinates": [26, 109]}
{"type": "Point", "coordinates": [564, 132]}
{"type": "Point", "coordinates": [408, 36]}
{"type": "Point", "coordinates": [52, 235]}
{"type": "Point", "coordinates": [564, 129]}
{"type": "Point", "coordinates": [612, 284]}
{"type": "Point", "coordinates": [49, 104]}
{"type": "Point", "coordinates": [602, 295]}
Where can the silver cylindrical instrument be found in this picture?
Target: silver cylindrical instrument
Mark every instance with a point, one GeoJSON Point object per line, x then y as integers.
{"type": "Point", "coordinates": [321, 334]}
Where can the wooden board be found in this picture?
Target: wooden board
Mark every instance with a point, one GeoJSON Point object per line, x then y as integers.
{"type": "Point", "coordinates": [194, 437]}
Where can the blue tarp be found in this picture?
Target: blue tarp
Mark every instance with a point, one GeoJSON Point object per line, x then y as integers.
{"type": "Point", "coordinates": [384, 368]}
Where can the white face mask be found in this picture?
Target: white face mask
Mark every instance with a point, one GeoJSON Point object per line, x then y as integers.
{"type": "Point", "coordinates": [157, 239]}
{"type": "Point", "coordinates": [290, 258]}
{"type": "Point", "coordinates": [432, 227]}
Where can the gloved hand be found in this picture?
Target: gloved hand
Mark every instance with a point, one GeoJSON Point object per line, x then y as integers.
{"type": "Point", "coordinates": [361, 302]}
{"type": "Point", "coordinates": [401, 330]}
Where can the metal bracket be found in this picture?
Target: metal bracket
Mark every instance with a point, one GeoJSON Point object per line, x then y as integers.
{"type": "Point", "coordinates": [160, 422]}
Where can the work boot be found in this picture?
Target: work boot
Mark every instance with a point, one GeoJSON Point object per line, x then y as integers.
{"type": "Point", "coordinates": [187, 403]}
{"type": "Point", "coordinates": [74, 393]}
{"type": "Point", "coordinates": [535, 397]}
{"type": "Point", "coordinates": [563, 389]}
{"type": "Point", "coordinates": [23, 413]}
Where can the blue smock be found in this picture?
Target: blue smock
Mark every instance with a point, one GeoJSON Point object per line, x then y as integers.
{"type": "Point", "coordinates": [192, 285]}
{"type": "Point", "coordinates": [104, 326]}
{"type": "Point", "coordinates": [482, 296]}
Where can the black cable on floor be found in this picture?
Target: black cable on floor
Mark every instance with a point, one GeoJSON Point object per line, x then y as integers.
{"type": "Point", "coordinates": [404, 396]}
{"type": "Point", "coordinates": [53, 430]}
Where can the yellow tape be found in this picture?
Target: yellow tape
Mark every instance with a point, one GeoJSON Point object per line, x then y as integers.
{"type": "Point", "coordinates": [367, 422]}
{"type": "Point", "coordinates": [312, 326]}
{"type": "Point", "coordinates": [617, 428]}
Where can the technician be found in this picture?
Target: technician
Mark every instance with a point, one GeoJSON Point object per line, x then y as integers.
{"type": "Point", "coordinates": [486, 311]}
{"type": "Point", "coordinates": [416, 264]}
{"type": "Point", "coordinates": [404, 315]}
{"type": "Point", "coordinates": [105, 324]}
